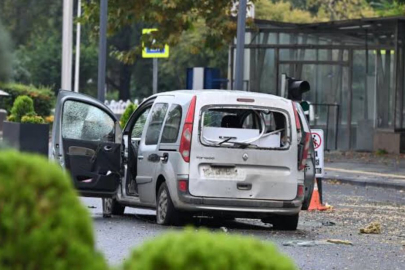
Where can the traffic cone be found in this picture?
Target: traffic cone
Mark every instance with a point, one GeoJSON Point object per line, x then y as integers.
{"type": "Point", "coordinates": [316, 201]}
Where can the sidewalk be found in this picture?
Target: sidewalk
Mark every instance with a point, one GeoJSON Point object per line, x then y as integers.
{"type": "Point", "coordinates": [366, 169]}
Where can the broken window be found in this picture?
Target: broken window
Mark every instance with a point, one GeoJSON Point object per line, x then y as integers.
{"type": "Point", "coordinates": [244, 127]}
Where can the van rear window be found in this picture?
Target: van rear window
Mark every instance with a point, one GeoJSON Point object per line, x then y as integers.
{"type": "Point", "coordinates": [243, 128]}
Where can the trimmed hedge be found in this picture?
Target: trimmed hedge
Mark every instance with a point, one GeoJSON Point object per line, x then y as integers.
{"type": "Point", "coordinates": [23, 105]}
{"type": "Point", "coordinates": [43, 224]}
{"type": "Point", "coordinates": [205, 251]}
{"type": "Point", "coordinates": [44, 98]}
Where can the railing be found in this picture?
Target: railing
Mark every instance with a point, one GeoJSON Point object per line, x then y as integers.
{"type": "Point", "coordinates": [118, 107]}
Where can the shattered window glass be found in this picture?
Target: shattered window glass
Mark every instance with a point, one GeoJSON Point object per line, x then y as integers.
{"type": "Point", "coordinates": [81, 121]}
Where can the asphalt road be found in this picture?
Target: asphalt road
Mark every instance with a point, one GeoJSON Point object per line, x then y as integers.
{"type": "Point", "coordinates": [354, 208]}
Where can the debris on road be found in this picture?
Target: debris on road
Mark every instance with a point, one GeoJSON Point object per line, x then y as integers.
{"type": "Point", "coordinates": [328, 207]}
{"type": "Point", "coordinates": [372, 228]}
{"type": "Point", "coordinates": [224, 229]}
{"type": "Point", "coordinates": [305, 243]}
{"type": "Point", "coordinates": [341, 242]}
{"type": "Point", "coordinates": [328, 223]}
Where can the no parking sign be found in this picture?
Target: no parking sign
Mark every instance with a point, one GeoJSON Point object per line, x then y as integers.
{"type": "Point", "coordinates": [319, 146]}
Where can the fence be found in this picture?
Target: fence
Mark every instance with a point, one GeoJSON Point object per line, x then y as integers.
{"type": "Point", "coordinates": [118, 107]}
{"type": "Point", "coordinates": [331, 129]}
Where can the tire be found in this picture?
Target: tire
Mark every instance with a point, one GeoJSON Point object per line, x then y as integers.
{"type": "Point", "coordinates": [166, 213]}
{"type": "Point", "coordinates": [285, 223]}
{"type": "Point", "coordinates": [309, 182]}
{"type": "Point", "coordinates": [112, 207]}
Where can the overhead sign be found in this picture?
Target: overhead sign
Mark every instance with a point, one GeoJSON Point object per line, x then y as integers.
{"type": "Point", "coordinates": [319, 146]}
{"type": "Point", "coordinates": [154, 53]}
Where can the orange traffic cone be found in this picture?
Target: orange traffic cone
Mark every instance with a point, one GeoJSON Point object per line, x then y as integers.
{"type": "Point", "coordinates": [316, 201]}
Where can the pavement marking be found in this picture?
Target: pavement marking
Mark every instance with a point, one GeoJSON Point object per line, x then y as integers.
{"type": "Point", "coordinates": [367, 173]}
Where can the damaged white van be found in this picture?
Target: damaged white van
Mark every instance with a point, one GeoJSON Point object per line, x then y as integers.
{"type": "Point", "coordinates": [187, 153]}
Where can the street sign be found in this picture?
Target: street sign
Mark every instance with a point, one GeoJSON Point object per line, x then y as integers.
{"type": "Point", "coordinates": [319, 146]}
{"type": "Point", "coordinates": [154, 53]}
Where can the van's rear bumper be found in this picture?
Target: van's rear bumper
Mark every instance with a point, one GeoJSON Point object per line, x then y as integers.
{"type": "Point", "coordinates": [190, 203]}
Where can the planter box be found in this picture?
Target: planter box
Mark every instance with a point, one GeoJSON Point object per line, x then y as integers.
{"type": "Point", "coordinates": [25, 137]}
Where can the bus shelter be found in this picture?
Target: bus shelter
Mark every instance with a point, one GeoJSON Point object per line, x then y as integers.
{"type": "Point", "coordinates": [355, 68]}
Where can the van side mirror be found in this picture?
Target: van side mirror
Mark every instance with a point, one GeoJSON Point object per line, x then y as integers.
{"type": "Point", "coordinates": [296, 88]}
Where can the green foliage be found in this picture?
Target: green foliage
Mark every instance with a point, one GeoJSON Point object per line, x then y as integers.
{"type": "Point", "coordinates": [381, 152]}
{"type": "Point", "coordinates": [22, 106]}
{"type": "Point", "coordinates": [127, 114]}
{"type": "Point", "coordinates": [204, 250]}
{"type": "Point", "coordinates": [43, 224]}
{"type": "Point", "coordinates": [389, 8]}
{"type": "Point", "coordinates": [282, 11]}
{"type": "Point", "coordinates": [32, 119]}
{"type": "Point", "coordinates": [44, 98]}
{"type": "Point", "coordinates": [6, 58]}
{"type": "Point", "coordinates": [341, 10]}
{"type": "Point", "coordinates": [172, 18]}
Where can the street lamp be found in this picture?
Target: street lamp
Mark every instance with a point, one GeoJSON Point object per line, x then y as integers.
{"type": "Point", "coordinates": [102, 52]}
{"type": "Point", "coordinates": [240, 45]}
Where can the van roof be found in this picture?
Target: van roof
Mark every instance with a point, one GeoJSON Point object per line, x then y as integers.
{"type": "Point", "coordinates": [235, 93]}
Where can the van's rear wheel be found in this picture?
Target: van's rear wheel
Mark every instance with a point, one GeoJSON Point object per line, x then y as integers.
{"type": "Point", "coordinates": [112, 207]}
{"type": "Point", "coordinates": [283, 223]}
{"type": "Point", "coordinates": [166, 214]}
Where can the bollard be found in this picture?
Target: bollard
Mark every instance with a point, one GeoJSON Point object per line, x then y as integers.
{"type": "Point", "coordinates": [3, 117]}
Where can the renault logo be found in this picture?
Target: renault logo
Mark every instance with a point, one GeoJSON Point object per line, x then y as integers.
{"type": "Point", "coordinates": [245, 156]}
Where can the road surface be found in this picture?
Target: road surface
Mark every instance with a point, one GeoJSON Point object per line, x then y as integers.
{"type": "Point", "coordinates": [354, 208]}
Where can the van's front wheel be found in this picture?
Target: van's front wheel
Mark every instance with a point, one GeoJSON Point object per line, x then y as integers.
{"type": "Point", "coordinates": [166, 214]}
{"type": "Point", "coordinates": [112, 207]}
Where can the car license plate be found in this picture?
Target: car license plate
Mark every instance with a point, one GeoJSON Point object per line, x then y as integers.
{"type": "Point", "coordinates": [221, 173]}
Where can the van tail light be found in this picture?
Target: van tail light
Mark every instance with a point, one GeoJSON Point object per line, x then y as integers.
{"type": "Point", "coordinates": [183, 185]}
{"type": "Point", "coordinates": [303, 159]}
{"type": "Point", "coordinates": [185, 142]}
{"type": "Point", "coordinates": [297, 120]}
{"type": "Point", "coordinates": [300, 191]}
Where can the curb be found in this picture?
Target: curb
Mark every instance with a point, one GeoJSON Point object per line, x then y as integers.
{"type": "Point", "coordinates": [367, 183]}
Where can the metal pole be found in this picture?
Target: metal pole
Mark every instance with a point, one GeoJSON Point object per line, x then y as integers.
{"type": "Point", "coordinates": [155, 75]}
{"type": "Point", "coordinates": [66, 83]}
{"type": "Point", "coordinates": [102, 52]}
{"type": "Point", "coordinates": [240, 45]}
{"type": "Point", "coordinates": [77, 62]}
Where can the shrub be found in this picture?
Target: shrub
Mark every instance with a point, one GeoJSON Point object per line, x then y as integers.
{"type": "Point", "coordinates": [43, 225]}
{"type": "Point", "coordinates": [203, 250]}
{"type": "Point", "coordinates": [43, 98]}
{"type": "Point", "coordinates": [32, 119]}
{"type": "Point", "coordinates": [23, 105]}
{"type": "Point", "coordinates": [127, 114]}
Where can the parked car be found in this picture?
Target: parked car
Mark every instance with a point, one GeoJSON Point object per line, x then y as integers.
{"type": "Point", "coordinates": [185, 153]}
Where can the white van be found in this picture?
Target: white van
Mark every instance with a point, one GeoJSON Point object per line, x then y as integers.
{"type": "Point", "coordinates": [186, 153]}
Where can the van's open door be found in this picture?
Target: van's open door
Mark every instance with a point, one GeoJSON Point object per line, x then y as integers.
{"type": "Point", "coordinates": [86, 140]}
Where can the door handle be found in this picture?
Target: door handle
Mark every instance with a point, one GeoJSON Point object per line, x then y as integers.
{"type": "Point", "coordinates": [164, 158]}
{"type": "Point", "coordinates": [107, 148]}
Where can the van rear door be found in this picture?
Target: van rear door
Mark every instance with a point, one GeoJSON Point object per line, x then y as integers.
{"type": "Point", "coordinates": [244, 148]}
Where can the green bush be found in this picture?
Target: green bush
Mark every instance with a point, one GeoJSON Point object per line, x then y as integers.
{"type": "Point", "coordinates": [32, 119]}
{"type": "Point", "coordinates": [127, 114]}
{"type": "Point", "coordinates": [23, 105]}
{"type": "Point", "coordinates": [44, 98]}
{"type": "Point", "coordinates": [43, 224]}
{"type": "Point", "coordinates": [203, 250]}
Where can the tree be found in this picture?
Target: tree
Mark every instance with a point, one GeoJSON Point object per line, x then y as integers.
{"type": "Point", "coordinates": [282, 11]}
{"type": "Point", "coordinates": [172, 18]}
{"type": "Point", "coordinates": [6, 58]}
{"type": "Point", "coordinates": [330, 10]}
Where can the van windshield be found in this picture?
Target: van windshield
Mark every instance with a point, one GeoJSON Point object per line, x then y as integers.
{"type": "Point", "coordinates": [244, 127]}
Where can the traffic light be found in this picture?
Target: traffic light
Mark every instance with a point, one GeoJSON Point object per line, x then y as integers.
{"type": "Point", "coordinates": [296, 88]}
